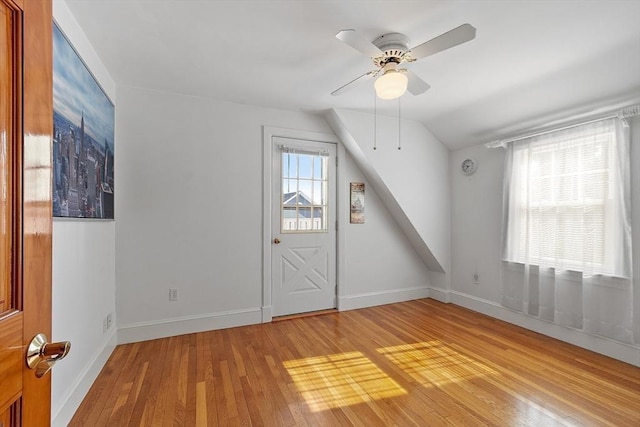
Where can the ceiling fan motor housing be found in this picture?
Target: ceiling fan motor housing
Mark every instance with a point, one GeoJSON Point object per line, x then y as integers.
{"type": "Point", "coordinates": [394, 46]}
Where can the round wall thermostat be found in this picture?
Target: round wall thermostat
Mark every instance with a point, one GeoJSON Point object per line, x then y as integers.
{"type": "Point", "coordinates": [468, 166]}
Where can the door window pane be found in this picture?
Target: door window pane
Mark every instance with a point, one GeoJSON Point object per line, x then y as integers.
{"type": "Point", "coordinates": [304, 188]}
{"type": "Point", "coordinates": [318, 193]}
{"type": "Point", "coordinates": [318, 167]}
{"type": "Point", "coordinates": [289, 165]}
{"type": "Point", "coordinates": [306, 165]}
{"type": "Point", "coordinates": [319, 219]}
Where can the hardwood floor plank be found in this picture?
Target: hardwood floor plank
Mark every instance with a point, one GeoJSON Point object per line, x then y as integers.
{"type": "Point", "coordinates": [417, 363]}
{"type": "Point", "coordinates": [201, 404]}
{"type": "Point", "coordinates": [127, 410]}
{"type": "Point", "coordinates": [151, 406]}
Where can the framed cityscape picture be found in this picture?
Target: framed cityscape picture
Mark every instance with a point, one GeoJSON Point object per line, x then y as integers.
{"type": "Point", "coordinates": [83, 137]}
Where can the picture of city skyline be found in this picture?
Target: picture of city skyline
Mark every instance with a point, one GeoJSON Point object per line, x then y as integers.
{"type": "Point", "coordinates": [83, 138]}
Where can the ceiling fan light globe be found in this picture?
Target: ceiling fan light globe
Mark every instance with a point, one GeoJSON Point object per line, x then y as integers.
{"type": "Point", "coordinates": [391, 85]}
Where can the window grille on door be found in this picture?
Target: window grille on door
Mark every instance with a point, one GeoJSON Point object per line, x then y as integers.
{"type": "Point", "coordinates": [304, 191]}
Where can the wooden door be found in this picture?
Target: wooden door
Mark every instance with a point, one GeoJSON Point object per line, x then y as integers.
{"type": "Point", "coordinates": [26, 123]}
{"type": "Point", "coordinates": [303, 254]}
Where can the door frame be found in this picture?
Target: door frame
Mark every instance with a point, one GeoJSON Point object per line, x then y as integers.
{"type": "Point", "coordinates": [269, 132]}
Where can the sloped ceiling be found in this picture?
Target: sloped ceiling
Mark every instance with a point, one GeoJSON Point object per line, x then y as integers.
{"type": "Point", "coordinates": [531, 62]}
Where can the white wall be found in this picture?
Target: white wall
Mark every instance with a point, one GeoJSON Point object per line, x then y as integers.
{"type": "Point", "coordinates": [189, 210]}
{"type": "Point", "coordinates": [380, 264]}
{"type": "Point", "coordinates": [416, 177]}
{"type": "Point", "coordinates": [83, 274]}
{"type": "Point", "coordinates": [476, 207]}
{"type": "Point", "coordinates": [476, 245]}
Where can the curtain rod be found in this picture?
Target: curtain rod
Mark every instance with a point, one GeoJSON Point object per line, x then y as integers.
{"type": "Point", "coordinates": [631, 111]}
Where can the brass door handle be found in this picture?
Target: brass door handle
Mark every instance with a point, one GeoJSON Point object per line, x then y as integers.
{"type": "Point", "coordinates": [276, 241]}
{"type": "Point", "coordinates": [42, 355]}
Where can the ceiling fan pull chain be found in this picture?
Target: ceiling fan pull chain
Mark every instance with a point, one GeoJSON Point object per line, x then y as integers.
{"type": "Point", "coordinates": [399, 125]}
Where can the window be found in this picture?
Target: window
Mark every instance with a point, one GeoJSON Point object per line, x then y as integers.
{"type": "Point", "coordinates": [304, 192]}
{"type": "Point", "coordinates": [566, 195]}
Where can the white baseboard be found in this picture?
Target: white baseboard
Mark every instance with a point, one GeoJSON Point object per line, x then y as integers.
{"type": "Point", "coordinates": [61, 415]}
{"type": "Point", "coordinates": [439, 294]}
{"type": "Point", "coordinates": [267, 314]}
{"type": "Point", "coordinates": [144, 331]}
{"type": "Point", "coordinates": [352, 302]}
{"type": "Point", "coordinates": [627, 353]}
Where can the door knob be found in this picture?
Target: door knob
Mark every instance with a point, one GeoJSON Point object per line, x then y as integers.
{"type": "Point", "coordinates": [276, 241]}
{"type": "Point", "coordinates": [42, 355]}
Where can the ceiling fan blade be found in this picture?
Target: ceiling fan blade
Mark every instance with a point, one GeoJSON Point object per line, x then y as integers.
{"type": "Point", "coordinates": [356, 41]}
{"type": "Point", "coordinates": [363, 78]}
{"type": "Point", "coordinates": [415, 84]}
{"type": "Point", "coordinates": [458, 35]}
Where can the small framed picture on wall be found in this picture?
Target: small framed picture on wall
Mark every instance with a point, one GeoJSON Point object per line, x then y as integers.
{"type": "Point", "coordinates": [357, 203]}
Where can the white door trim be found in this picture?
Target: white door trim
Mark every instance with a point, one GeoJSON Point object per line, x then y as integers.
{"type": "Point", "coordinates": [267, 136]}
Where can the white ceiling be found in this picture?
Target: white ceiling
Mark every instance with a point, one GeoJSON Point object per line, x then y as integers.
{"type": "Point", "coordinates": [531, 62]}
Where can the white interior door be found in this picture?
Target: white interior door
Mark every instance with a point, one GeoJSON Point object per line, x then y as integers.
{"type": "Point", "coordinates": [303, 248]}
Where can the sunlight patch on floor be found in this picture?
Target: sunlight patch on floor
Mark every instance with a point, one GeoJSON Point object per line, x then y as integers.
{"type": "Point", "coordinates": [434, 363]}
{"type": "Point", "coordinates": [340, 380]}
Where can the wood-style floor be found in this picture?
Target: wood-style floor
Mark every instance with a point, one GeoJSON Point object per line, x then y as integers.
{"type": "Point", "coordinates": [418, 363]}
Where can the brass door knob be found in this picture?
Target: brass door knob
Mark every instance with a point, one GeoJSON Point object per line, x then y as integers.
{"type": "Point", "coordinates": [42, 355]}
{"type": "Point", "coordinates": [276, 241]}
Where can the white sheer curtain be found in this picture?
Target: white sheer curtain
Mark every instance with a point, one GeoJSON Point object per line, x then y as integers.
{"type": "Point", "coordinates": [566, 228]}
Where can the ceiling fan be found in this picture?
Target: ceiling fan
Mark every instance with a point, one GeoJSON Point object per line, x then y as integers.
{"type": "Point", "coordinates": [391, 50]}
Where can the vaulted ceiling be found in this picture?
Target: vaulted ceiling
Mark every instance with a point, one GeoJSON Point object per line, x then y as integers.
{"type": "Point", "coordinates": [531, 62]}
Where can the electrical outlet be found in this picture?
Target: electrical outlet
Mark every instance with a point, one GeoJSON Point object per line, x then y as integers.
{"type": "Point", "coordinates": [173, 294]}
{"type": "Point", "coordinates": [109, 321]}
